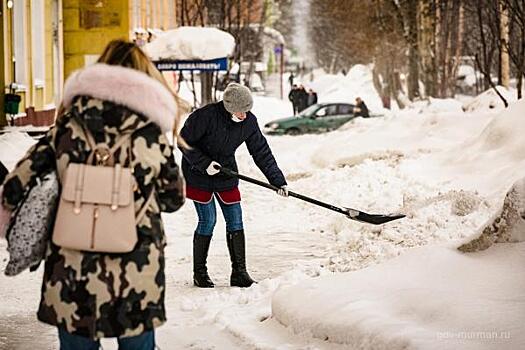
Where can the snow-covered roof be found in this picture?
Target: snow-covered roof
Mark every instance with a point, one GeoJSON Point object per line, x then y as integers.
{"type": "Point", "coordinates": [191, 43]}
{"type": "Point", "coordinates": [274, 34]}
{"type": "Point", "coordinates": [139, 30]}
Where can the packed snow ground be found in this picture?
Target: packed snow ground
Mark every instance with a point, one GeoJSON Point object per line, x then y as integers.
{"type": "Point", "coordinates": [431, 161]}
{"type": "Point", "coordinates": [428, 298]}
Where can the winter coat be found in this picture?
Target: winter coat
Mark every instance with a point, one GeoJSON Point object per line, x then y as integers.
{"type": "Point", "coordinates": [302, 99]}
{"type": "Point", "coordinates": [99, 295]}
{"type": "Point", "coordinates": [3, 173]}
{"type": "Point", "coordinates": [293, 95]}
{"type": "Point", "coordinates": [363, 110]}
{"type": "Point", "coordinates": [312, 98]}
{"type": "Point", "coordinates": [214, 136]}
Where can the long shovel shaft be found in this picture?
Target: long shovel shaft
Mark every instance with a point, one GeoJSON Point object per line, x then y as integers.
{"type": "Point", "coordinates": [357, 215]}
{"type": "Point", "coordinates": [290, 193]}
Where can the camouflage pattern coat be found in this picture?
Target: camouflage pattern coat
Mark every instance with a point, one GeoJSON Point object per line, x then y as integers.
{"type": "Point", "coordinates": [106, 295]}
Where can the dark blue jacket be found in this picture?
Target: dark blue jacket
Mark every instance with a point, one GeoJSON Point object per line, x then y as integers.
{"type": "Point", "coordinates": [212, 135]}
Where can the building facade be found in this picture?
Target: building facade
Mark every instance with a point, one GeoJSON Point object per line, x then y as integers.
{"type": "Point", "coordinates": [43, 41]}
{"type": "Point", "coordinates": [31, 52]}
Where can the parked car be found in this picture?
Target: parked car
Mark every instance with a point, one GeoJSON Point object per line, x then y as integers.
{"type": "Point", "coordinates": [317, 118]}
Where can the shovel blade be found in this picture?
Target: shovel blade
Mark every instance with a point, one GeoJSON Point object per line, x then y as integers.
{"type": "Point", "coordinates": [374, 219]}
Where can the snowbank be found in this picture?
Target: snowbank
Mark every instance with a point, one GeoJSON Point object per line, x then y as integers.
{"type": "Point", "coordinates": [469, 74]}
{"type": "Point", "coordinates": [433, 297]}
{"type": "Point", "coordinates": [437, 105]}
{"type": "Point", "coordinates": [14, 145]}
{"type": "Point", "coordinates": [191, 43]}
{"type": "Point", "coordinates": [408, 133]}
{"type": "Point", "coordinates": [492, 160]}
{"type": "Point", "coordinates": [339, 88]}
{"type": "Point", "coordinates": [490, 100]}
{"type": "Point", "coordinates": [428, 298]}
{"type": "Point", "coordinates": [507, 225]}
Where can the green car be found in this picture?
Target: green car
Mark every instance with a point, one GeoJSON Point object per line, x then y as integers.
{"type": "Point", "coordinates": [314, 119]}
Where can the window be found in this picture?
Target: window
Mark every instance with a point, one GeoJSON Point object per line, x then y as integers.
{"type": "Point", "coordinates": [19, 41]}
{"type": "Point", "coordinates": [331, 110]}
{"type": "Point", "coordinates": [38, 40]}
{"type": "Point", "coordinates": [327, 111]}
{"type": "Point", "coordinates": [321, 112]}
{"type": "Point", "coordinates": [346, 109]}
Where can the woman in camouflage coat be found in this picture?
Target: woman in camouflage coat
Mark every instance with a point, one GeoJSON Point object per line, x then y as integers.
{"type": "Point", "coordinates": [96, 295]}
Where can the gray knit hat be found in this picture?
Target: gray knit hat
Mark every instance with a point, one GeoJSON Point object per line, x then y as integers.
{"type": "Point", "coordinates": [237, 98]}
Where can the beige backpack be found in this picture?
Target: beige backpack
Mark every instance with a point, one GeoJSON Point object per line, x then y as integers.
{"type": "Point", "coordinates": [96, 211]}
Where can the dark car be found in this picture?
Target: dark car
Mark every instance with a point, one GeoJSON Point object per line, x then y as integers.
{"type": "Point", "coordinates": [314, 119]}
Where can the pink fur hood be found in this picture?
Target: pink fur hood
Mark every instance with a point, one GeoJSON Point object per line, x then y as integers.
{"type": "Point", "coordinates": [125, 86]}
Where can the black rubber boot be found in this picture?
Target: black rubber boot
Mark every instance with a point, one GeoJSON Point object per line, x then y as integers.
{"type": "Point", "coordinates": [201, 244]}
{"type": "Point", "coordinates": [236, 246]}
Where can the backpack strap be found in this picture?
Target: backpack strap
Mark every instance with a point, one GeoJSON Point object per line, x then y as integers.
{"type": "Point", "coordinates": [104, 154]}
{"type": "Point", "coordinates": [101, 150]}
{"type": "Point", "coordinates": [110, 151]}
{"type": "Point", "coordinates": [145, 207]}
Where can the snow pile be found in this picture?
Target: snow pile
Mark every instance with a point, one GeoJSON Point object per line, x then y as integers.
{"type": "Point", "coordinates": [191, 43]}
{"type": "Point", "coordinates": [405, 134]}
{"type": "Point", "coordinates": [339, 88]}
{"type": "Point", "coordinates": [491, 161]}
{"type": "Point", "coordinates": [14, 145]}
{"type": "Point", "coordinates": [504, 133]}
{"type": "Point", "coordinates": [429, 298]}
{"type": "Point", "coordinates": [267, 109]}
{"type": "Point", "coordinates": [469, 74]}
{"type": "Point", "coordinates": [433, 297]}
{"type": "Point", "coordinates": [508, 225]}
{"type": "Point", "coordinates": [490, 100]}
{"type": "Point", "coordinates": [436, 105]}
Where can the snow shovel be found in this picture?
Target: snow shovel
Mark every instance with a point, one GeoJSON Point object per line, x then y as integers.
{"type": "Point", "coordinates": [353, 214]}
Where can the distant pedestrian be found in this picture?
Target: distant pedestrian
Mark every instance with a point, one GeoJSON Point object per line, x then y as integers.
{"type": "Point", "coordinates": [360, 109]}
{"type": "Point", "coordinates": [312, 97]}
{"type": "Point", "coordinates": [291, 79]}
{"type": "Point", "coordinates": [293, 96]}
{"type": "Point", "coordinates": [302, 98]}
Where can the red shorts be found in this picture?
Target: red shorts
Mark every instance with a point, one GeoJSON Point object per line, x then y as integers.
{"type": "Point", "coordinates": [227, 197]}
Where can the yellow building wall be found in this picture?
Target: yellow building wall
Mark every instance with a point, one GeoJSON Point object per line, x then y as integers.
{"type": "Point", "coordinates": [27, 99]}
{"type": "Point", "coordinates": [32, 96]}
{"type": "Point", "coordinates": [49, 97]}
{"type": "Point", "coordinates": [89, 27]}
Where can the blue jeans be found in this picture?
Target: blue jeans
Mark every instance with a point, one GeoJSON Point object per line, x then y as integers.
{"type": "Point", "coordinates": [68, 341]}
{"type": "Point", "coordinates": [208, 217]}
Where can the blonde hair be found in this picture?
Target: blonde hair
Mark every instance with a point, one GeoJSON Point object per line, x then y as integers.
{"type": "Point", "coordinates": [126, 54]}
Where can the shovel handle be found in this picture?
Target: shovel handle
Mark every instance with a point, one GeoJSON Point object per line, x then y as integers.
{"type": "Point", "coordinates": [232, 173]}
{"type": "Point", "coordinates": [353, 214]}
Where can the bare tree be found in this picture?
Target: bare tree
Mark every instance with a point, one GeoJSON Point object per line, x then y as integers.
{"type": "Point", "coordinates": [411, 34]}
{"type": "Point", "coordinates": [515, 46]}
{"type": "Point", "coordinates": [504, 42]}
{"type": "Point", "coordinates": [484, 44]}
{"type": "Point", "coordinates": [260, 31]}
